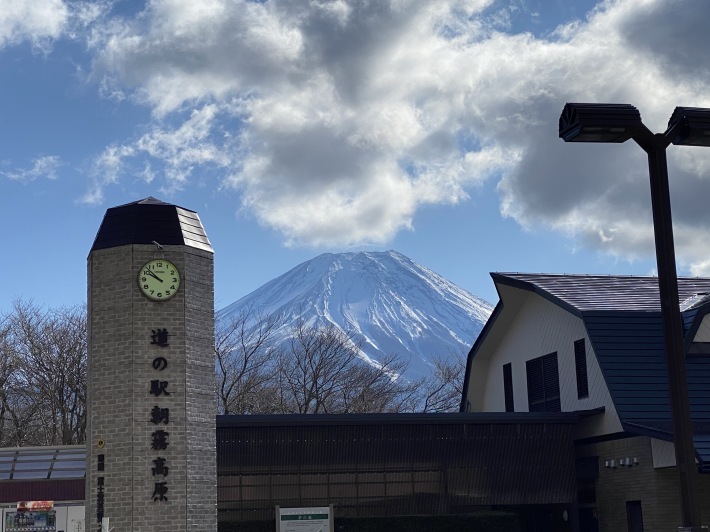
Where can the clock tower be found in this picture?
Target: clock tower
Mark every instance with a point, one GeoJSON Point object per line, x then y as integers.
{"type": "Point", "coordinates": [151, 459]}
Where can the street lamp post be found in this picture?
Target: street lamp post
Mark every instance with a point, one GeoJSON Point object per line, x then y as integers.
{"type": "Point", "coordinates": [615, 123]}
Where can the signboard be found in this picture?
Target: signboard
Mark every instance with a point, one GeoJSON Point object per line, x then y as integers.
{"type": "Point", "coordinates": [35, 506]}
{"type": "Point", "coordinates": [318, 519]}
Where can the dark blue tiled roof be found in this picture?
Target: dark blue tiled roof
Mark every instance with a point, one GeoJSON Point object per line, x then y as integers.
{"type": "Point", "coordinates": [603, 292]}
{"type": "Point", "coordinates": [148, 221]}
{"type": "Point", "coordinates": [623, 320]}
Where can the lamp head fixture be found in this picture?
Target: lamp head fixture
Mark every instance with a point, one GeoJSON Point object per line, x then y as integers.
{"type": "Point", "coordinates": [599, 122]}
{"type": "Point", "coordinates": [692, 126]}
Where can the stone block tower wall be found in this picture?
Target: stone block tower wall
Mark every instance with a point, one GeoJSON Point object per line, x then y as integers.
{"type": "Point", "coordinates": [151, 452]}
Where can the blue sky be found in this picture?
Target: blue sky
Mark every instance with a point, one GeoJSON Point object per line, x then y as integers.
{"type": "Point", "coordinates": [298, 128]}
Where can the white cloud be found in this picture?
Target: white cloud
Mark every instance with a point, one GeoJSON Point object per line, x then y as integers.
{"type": "Point", "coordinates": [30, 20]}
{"type": "Point", "coordinates": [45, 166]}
{"type": "Point", "coordinates": [185, 147]}
{"type": "Point", "coordinates": [105, 170]}
{"type": "Point", "coordinates": [176, 150]}
{"type": "Point", "coordinates": [336, 121]}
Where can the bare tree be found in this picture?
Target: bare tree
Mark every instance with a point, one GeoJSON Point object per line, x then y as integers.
{"type": "Point", "coordinates": [321, 371]}
{"type": "Point", "coordinates": [44, 363]}
{"type": "Point", "coordinates": [10, 411]}
{"type": "Point", "coordinates": [244, 361]}
{"type": "Point", "coordinates": [441, 392]}
{"type": "Point", "coordinates": [43, 356]}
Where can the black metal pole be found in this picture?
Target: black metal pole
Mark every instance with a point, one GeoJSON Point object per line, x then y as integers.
{"type": "Point", "coordinates": [655, 147]}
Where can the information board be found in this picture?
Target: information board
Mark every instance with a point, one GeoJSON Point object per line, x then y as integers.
{"type": "Point", "coordinates": [318, 519]}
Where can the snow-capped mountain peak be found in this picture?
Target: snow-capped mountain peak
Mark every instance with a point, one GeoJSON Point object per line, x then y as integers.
{"type": "Point", "coordinates": [393, 304]}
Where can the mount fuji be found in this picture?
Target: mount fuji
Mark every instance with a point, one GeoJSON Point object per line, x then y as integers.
{"type": "Point", "coordinates": [391, 304]}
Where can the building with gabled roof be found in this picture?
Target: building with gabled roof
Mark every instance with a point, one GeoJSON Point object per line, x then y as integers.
{"type": "Point", "coordinates": [595, 343]}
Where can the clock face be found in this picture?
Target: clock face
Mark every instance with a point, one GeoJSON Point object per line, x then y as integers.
{"type": "Point", "coordinates": [159, 279]}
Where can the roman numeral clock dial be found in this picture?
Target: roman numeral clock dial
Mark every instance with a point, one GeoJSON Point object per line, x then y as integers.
{"type": "Point", "coordinates": [159, 279]}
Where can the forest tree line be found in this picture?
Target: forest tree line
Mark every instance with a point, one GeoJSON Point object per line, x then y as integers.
{"type": "Point", "coordinates": [43, 364]}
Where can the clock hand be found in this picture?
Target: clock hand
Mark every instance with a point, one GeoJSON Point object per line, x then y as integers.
{"type": "Point", "coordinates": [153, 275]}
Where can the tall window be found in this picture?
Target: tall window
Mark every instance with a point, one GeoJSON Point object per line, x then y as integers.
{"type": "Point", "coordinates": [508, 387]}
{"type": "Point", "coordinates": [580, 363]}
{"type": "Point", "coordinates": [543, 384]}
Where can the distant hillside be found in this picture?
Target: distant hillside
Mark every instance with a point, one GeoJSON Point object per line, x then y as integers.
{"type": "Point", "coordinates": [393, 303]}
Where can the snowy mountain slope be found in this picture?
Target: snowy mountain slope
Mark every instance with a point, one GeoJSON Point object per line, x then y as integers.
{"type": "Point", "coordinates": [393, 303]}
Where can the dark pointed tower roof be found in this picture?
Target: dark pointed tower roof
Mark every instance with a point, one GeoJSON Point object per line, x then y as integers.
{"type": "Point", "coordinates": [148, 221]}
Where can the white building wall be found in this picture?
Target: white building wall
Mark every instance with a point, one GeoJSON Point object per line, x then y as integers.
{"type": "Point", "coordinates": [539, 328]}
{"type": "Point", "coordinates": [663, 453]}
{"type": "Point", "coordinates": [703, 334]}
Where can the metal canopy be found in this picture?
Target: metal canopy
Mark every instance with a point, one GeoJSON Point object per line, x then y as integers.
{"type": "Point", "coordinates": [33, 463]}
